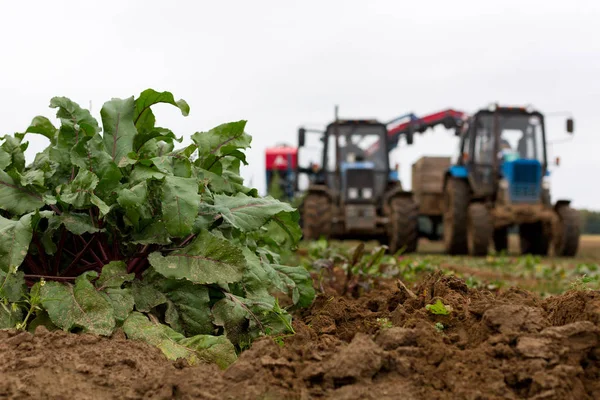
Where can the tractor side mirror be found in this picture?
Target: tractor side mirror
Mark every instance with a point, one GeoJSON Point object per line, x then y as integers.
{"type": "Point", "coordinates": [570, 127]}
{"type": "Point", "coordinates": [301, 137]}
{"type": "Point", "coordinates": [410, 137]}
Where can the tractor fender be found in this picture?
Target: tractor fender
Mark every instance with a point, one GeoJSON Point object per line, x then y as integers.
{"type": "Point", "coordinates": [456, 171]}
{"type": "Point", "coordinates": [562, 203]}
{"type": "Point", "coordinates": [320, 189]}
{"type": "Point", "coordinates": [396, 191]}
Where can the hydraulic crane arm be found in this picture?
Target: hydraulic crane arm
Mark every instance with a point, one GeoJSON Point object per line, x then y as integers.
{"type": "Point", "coordinates": [449, 118]}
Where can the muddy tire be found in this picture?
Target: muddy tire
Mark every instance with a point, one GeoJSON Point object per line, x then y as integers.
{"type": "Point", "coordinates": [316, 217]}
{"type": "Point", "coordinates": [534, 239]}
{"type": "Point", "coordinates": [456, 203]}
{"type": "Point", "coordinates": [403, 228]}
{"type": "Point", "coordinates": [479, 229]}
{"type": "Point", "coordinates": [501, 239]}
{"type": "Point", "coordinates": [567, 232]}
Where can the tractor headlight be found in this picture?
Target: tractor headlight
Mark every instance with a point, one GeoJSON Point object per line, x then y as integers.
{"type": "Point", "coordinates": [503, 184]}
{"type": "Point", "coordinates": [546, 184]}
{"type": "Point", "coordinates": [367, 193]}
{"type": "Point", "coordinates": [352, 193]}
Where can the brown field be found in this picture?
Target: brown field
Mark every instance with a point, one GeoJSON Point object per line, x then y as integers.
{"type": "Point", "coordinates": [379, 340]}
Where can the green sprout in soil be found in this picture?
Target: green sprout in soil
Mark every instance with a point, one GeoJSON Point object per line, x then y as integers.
{"type": "Point", "coordinates": [438, 308]}
{"type": "Point", "coordinates": [384, 323]}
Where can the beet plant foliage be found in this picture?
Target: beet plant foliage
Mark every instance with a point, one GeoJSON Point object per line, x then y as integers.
{"type": "Point", "coordinates": [112, 227]}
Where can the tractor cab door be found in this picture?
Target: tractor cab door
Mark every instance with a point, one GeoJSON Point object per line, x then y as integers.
{"type": "Point", "coordinates": [481, 156]}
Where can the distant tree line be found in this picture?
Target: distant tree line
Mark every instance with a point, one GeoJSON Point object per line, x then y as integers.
{"type": "Point", "coordinates": [590, 222]}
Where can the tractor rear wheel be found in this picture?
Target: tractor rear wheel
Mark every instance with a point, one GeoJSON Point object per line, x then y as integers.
{"type": "Point", "coordinates": [403, 227]}
{"type": "Point", "coordinates": [501, 239]}
{"type": "Point", "coordinates": [566, 234]}
{"type": "Point", "coordinates": [534, 239]}
{"type": "Point", "coordinates": [479, 229]}
{"type": "Point", "coordinates": [456, 202]}
{"type": "Point", "coordinates": [317, 216]}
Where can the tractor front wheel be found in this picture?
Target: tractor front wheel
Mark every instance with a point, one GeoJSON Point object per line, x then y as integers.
{"type": "Point", "coordinates": [566, 233]}
{"type": "Point", "coordinates": [316, 216]}
{"type": "Point", "coordinates": [534, 239]}
{"type": "Point", "coordinates": [501, 239]}
{"type": "Point", "coordinates": [479, 229]}
{"type": "Point", "coordinates": [456, 202]}
{"type": "Point", "coordinates": [403, 226]}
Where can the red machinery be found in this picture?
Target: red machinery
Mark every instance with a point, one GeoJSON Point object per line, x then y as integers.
{"type": "Point", "coordinates": [283, 161]}
{"type": "Point", "coordinates": [449, 118]}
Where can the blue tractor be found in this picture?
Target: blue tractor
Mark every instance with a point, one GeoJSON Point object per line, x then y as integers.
{"type": "Point", "coordinates": [355, 193]}
{"type": "Point", "coordinates": [499, 181]}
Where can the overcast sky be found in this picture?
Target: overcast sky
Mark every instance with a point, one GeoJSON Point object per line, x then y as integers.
{"type": "Point", "coordinates": [282, 64]}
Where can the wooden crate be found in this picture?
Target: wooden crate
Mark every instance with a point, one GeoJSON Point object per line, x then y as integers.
{"type": "Point", "coordinates": [428, 183]}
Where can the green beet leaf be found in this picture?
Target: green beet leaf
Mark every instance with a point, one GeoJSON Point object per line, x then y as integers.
{"type": "Point", "coordinates": [110, 283]}
{"type": "Point", "coordinates": [188, 309]}
{"type": "Point", "coordinates": [119, 128]}
{"type": "Point", "coordinates": [42, 126]}
{"type": "Point", "coordinates": [78, 306]}
{"type": "Point", "coordinates": [197, 349]}
{"type": "Point", "coordinates": [298, 282]}
{"type": "Point", "coordinates": [144, 118]}
{"type": "Point", "coordinates": [146, 296]}
{"type": "Point", "coordinates": [79, 192]}
{"type": "Point", "coordinates": [10, 315]}
{"type": "Point", "coordinates": [77, 119]}
{"type": "Point", "coordinates": [222, 138]}
{"type": "Point", "coordinates": [15, 237]}
{"type": "Point", "coordinates": [90, 154]}
{"type": "Point", "coordinates": [5, 159]}
{"type": "Point", "coordinates": [15, 198]}
{"type": "Point", "coordinates": [207, 259]}
{"type": "Point", "coordinates": [180, 202]}
{"type": "Point", "coordinates": [248, 213]}
{"type": "Point", "coordinates": [16, 150]}
{"type": "Point", "coordinates": [78, 223]}
{"type": "Point", "coordinates": [284, 228]}
{"type": "Point", "coordinates": [12, 286]}
{"type": "Point", "coordinates": [187, 304]}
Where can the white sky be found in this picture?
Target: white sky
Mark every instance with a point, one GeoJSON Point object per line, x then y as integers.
{"type": "Point", "coordinates": [282, 64]}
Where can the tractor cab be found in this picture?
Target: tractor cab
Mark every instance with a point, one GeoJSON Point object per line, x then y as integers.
{"type": "Point", "coordinates": [350, 165]}
{"type": "Point", "coordinates": [504, 152]}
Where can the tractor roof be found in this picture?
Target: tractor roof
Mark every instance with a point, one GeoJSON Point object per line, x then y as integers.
{"type": "Point", "coordinates": [350, 122]}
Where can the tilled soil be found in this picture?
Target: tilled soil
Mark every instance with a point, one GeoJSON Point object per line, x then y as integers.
{"type": "Point", "coordinates": [383, 345]}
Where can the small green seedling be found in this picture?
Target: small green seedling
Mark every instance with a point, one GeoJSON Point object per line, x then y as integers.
{"type": "Point", "coordinates": [439, 327]}
{"type": "Point", "coordinates": [438, 308]}
{"type": "Point", "coordinates": [384, 323]}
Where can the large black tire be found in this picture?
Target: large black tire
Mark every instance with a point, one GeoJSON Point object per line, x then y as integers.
{"type": "Point", "coordinates": [479, 229]}
{"type": "Point", "coordinates": [456, 201]}
{"type": "Point", "coordinates": [403, 227]}
{"type": "Point", "coordinates": [567, 233]}
{"type": "Point", "coordinates": [501, 239]}
{"type": "Point", "coordinates": [316, 216]}
{"type": "Point", "coordinates": [534, 239]}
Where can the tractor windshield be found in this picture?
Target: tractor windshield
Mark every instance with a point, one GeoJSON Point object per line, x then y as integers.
{"type": "Point", "coordinates": [521, 137]}
{"type": "Point", "coordinates": [357, 143]}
